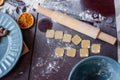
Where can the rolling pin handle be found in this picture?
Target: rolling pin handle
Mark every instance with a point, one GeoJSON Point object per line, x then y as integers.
{"type": "Point", "coordinates": [107, 38]}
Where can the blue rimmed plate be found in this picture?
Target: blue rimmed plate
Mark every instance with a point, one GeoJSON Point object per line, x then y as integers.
{"type": "Point", "coordinates": [10, 45]}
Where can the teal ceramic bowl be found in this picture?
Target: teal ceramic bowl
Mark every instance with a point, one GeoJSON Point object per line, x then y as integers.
{"type": "Point", "coordinates": [10, 45]}
{"type": "Point", "coordinates": [96, 68]}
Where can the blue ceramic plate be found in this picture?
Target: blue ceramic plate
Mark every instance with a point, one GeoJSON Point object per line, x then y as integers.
{"type": "Point", "coordinates": [10, 46]}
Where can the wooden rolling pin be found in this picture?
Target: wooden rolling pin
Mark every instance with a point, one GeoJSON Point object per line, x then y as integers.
{"type": "Point", "coordinates": [77, 25]}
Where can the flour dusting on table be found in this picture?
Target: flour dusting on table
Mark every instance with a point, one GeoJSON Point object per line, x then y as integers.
{"type": "Point", "coordinates": [65, 6]}
{"type": "Point", "coordinates": [53, 64]}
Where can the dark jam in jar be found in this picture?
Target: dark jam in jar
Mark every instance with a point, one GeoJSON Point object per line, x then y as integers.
{"type": "Point", "coordinates": [45, 24]}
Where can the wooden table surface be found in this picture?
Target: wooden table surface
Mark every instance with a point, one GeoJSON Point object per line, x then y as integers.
{"type": "Point", "coordinates": [40, 64]}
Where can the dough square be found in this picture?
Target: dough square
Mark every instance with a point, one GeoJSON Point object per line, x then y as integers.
{"type": "Point", "coordinates": [50, 33]}
{"type": "Point", "coordinates": [67, 37]}
{"type": "Point", "coordinates": [95, 48]}
{"type": "Point", "coordinates": [84, 53]}
{"type": "Point", "coordinates": [85, 44]}
{"type": "Point", "coordinates": [71, 52]}
{"type": "Point", "coordinates": [59, 52]}
{"type": "Point", "coordinates": [58, 35]}
{"type": "Point", "coordinates": [76, 39]}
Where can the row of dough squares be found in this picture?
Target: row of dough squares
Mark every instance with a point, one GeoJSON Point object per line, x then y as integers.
{"type": "Point", "coordinates": [65, 37]}
{"type": "Point", "coordinates": [71, 52]}
{"type": "Point", "coordinates": [75, 39]}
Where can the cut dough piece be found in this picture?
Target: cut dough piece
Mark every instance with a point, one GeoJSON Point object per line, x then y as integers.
{"type": "Point", "coordinates": [76, 39]}
{"type": "Point", "coordinates": [59, 52]}
{"type": "Point", "coordinates": [84, 53]}
{"type": "Point", "coordinates": [71, 52]}
{"type": "Point", "coordinates": [50, 33]}
{"type": "Point", "coordinates": [67, 37]}
{"type": "Point", "coordinates": [85, 44]}
{"type": "Point", "coordinates": [95, 48]}
{"type": "Point", "coordinates": [58, 35]}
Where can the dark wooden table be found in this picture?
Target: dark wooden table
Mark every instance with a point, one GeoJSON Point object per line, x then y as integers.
{"type": "Point", "coordinates": [40, 63]}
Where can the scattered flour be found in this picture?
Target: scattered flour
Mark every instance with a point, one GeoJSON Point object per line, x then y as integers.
{"type": "Point", "coordinates": [47, 66]}
{"type": "Point", "coordinates": [53, 64]}
{"type": "Point", "coordinates": [66, 6]}
{"type": "Point", "coordinates": [20, 73]}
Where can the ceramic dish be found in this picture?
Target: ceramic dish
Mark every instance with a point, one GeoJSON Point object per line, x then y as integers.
{"type": "Point", "coordinates": [10, 45]}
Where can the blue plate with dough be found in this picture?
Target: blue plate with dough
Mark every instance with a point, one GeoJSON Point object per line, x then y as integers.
{"type": "Point", "coordinates": [10, 45]}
